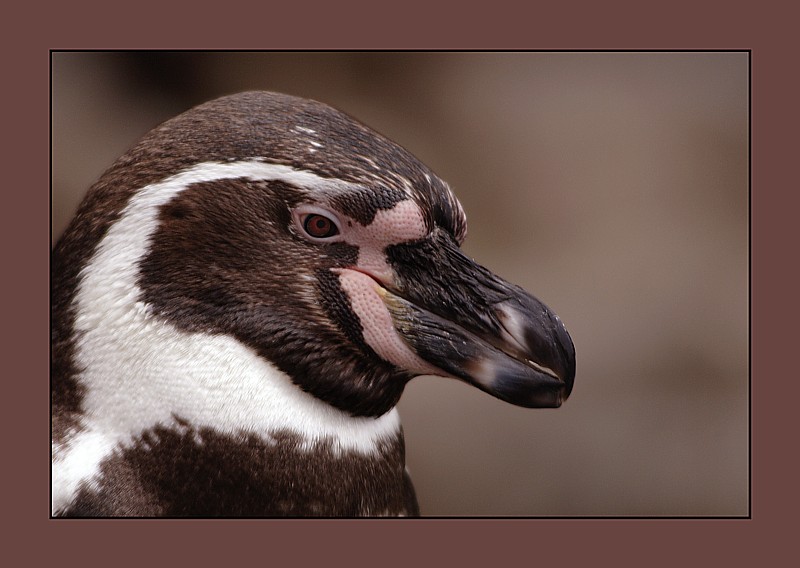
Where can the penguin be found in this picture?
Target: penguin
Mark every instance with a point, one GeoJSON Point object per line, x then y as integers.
{"type": "Point", "coordinates": [238, 304]}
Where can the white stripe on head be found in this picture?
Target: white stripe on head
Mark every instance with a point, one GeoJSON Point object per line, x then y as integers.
{"type": "Point", "coordinates": [140, 371]}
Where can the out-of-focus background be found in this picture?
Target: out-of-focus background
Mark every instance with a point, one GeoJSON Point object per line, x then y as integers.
{"type": "Point", "coordinates": [613, 186]}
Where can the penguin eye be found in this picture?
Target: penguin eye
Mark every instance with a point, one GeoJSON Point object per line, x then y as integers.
{"type": "Point", "coordinates": [319, 226]}
{"type": "Point", "coordinates": [316, 223]}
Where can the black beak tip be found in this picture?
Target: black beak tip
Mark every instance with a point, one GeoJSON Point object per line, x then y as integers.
{"type": "Point", "coordinates": [548, 392]}
{"type": "Point", "coordinates": [551, 345]}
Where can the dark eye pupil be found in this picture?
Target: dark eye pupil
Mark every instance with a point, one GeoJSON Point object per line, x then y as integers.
{"type": "Point", "coordinates": [319, 227]}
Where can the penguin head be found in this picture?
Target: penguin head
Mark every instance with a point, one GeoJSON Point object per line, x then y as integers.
{"type": "Point", "coordinates": [331, 252]}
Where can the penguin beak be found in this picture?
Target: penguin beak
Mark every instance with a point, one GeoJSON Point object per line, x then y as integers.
{"type": "Point", "coordinates": [475, 326]}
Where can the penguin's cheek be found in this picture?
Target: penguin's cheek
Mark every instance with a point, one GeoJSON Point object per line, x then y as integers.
{"type": "Point", "coordinates": [364, 295]}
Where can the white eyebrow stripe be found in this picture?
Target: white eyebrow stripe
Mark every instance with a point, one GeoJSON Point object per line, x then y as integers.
{"type": "Point", "coordinates": [257, 170]}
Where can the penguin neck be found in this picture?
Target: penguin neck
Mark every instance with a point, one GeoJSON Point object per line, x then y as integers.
{"type": "Point", "coordinates": [145, 372]}
{"type": "Point", "coordinates": [139, 370]}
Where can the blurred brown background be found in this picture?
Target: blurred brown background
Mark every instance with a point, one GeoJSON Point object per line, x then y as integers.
{"type": "Point", "coordinates": [613, 186]}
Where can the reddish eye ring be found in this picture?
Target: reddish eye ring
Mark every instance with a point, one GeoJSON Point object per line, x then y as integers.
{"type": "Point", "coordinates": [319, 226]}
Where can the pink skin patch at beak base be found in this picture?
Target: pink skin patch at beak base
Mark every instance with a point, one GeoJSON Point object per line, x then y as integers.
{"type": "Point", "coordinates": [376, 323]}
{"type": "Point", "coordinates": [402, 223]}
